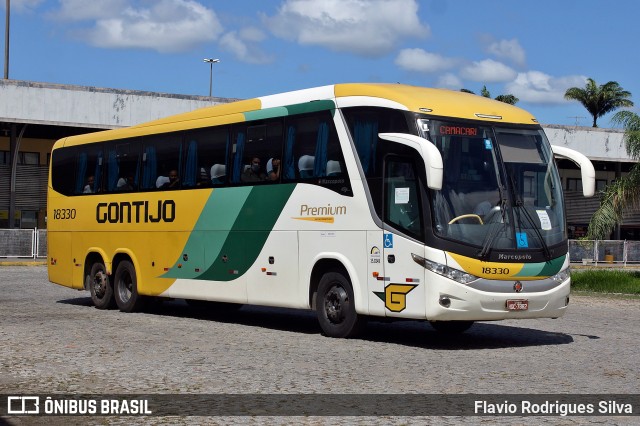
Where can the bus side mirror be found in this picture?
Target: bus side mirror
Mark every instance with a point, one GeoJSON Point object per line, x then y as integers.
{"type": "Point", "coordinates": [587, 171]}
{"type": "Point", "coordinates": [430, 155]}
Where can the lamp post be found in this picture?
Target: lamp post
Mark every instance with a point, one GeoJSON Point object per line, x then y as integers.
{"type": "Point", "coordinates": [6, 41]}
{"type": "Point", "coordinates": [211, 62]}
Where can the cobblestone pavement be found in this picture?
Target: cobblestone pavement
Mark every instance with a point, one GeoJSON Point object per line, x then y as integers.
{"type": "Point", "coordinates": [52, 340]}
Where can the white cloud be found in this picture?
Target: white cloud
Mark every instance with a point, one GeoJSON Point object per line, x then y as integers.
{"type": "Point", "coordinates": [22, 5]}
{"type": "Point", "coordinates": [538, 87]}
{"type": "Point", "coordinates": [449, 80]}
{"type": "Point", "coordinates": [82, 10]}
{"type": "Point", "coordinates": [422, 61]}
{"type": "Point", "coordinates": [508, 49]}
{"type": "Point", "coordinates": [163, 25]}
{"type": "Point", "coordinates": [488, 71]}
{"type": "Point", "coordinates": [364, 27]}
{"type": "Point", "coordinates": [243, 45]}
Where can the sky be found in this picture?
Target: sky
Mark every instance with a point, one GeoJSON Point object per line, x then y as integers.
{"type": "Point", "coordinates": [534, 50]}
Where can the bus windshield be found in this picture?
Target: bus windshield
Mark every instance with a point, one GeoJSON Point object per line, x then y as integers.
{"type": "Point", "coordinates": [501, 188]}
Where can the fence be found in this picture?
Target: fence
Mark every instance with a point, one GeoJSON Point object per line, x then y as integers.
{"type": "Point", "coordinates": [24, 243]}
{"type": "Point", "coordinates": [604, 252]}
{"type": "Point", "coordinates": [32, 243]}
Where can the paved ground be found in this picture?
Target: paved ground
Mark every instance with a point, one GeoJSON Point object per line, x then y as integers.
{"type": "Point", "coordinates": [52, 340]}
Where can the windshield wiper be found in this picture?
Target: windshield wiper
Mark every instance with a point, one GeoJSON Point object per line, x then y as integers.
{"type": "Point", "coordinates": [495, 227]}
{"type": "Point", "coordinates": [520, 207]}
{"type": "Point", "coordinates": [534, 227]}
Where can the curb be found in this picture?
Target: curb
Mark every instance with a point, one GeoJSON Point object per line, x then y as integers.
{"type": "Point", "coordinates": [23, 262]}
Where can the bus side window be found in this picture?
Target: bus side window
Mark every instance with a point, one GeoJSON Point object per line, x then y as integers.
{"type": "Point", "coordinates": [254, 160]}
{"type": "Point", "coordinates": [365, 123]}
{"type": "Point", "coordinates": [122, 165]}
{"type": "Point", "coordinates": [311, 141]}
{"type": "Point", "coordinates": [312, 151]}
{"type": "Point", "coordinates": [62, 161]}
{"type": "Point", "coordinates": [88, 170]}
{"type": "Point", "coordinates": [402, 202]}
{"type": "Point", "coordinates": [210, 158]}
{"type": "Point", "coordinates": [161, 154]}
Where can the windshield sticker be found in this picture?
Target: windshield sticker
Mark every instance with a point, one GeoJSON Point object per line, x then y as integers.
{"type": "Point", "coordinates": [545, 222]}
{"type": "Point", "coordinates": [402, 195]}
{"type": "Point", "coordinates": [487, 144]}
{"type": "Point", "coordinates": [522, 239]}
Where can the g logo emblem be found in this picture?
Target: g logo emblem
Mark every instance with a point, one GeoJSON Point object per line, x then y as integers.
{"type": "Point", "coordinates": [395, 296]}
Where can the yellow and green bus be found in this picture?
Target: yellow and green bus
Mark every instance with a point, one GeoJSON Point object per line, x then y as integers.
{"type": "Point", "coordinates": [354, 200]}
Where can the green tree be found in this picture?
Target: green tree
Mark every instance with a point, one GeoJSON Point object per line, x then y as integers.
{"type": "Point", "coordinates": [600, 99]}
{"type": "Point", "coordinates": [507, 99]}
{"type": "Point", "coordinates": [624, 192]}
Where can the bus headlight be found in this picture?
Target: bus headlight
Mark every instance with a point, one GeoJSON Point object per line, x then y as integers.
{"type": "Point", "coordinates": [444, 270]}
{"type": "Point", "coordinates": [562, 276]}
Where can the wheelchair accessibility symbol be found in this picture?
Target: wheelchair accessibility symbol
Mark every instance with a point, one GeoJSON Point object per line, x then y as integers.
{"type": "Point", "coordinates": [388, 240]}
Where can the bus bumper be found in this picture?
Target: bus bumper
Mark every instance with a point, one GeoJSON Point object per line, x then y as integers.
{"type": "Point", "coordinates": [451, 301]}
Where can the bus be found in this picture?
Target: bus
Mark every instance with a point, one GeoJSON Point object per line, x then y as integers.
{"type": "Point", "coordinates": [353, 200]}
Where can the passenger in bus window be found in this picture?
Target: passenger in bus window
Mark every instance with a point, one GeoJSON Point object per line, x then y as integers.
{"type": "Point", "coordinates": [253, 173]}
{"type": "Point", "coordinates": [273, 169]}
{"type": "Point", "coordinates": [203, 178]}
{"type": "Point", "coordinates": [88, 188]}
{"type": "Point", "coordinates": [174, 180]}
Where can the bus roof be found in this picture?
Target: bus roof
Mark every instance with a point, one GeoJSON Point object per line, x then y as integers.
{"type": "Point", "coordinates": [437, 102]}
{"type": "Point", "coordinates": [440, 102]}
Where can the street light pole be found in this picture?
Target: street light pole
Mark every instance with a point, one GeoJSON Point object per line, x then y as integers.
{"type": "Point", "coordinates": [6, 41]}
{"type": "Point", "coordinates": [211, 61]}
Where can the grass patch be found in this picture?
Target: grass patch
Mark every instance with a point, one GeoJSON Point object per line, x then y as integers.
{"type": "Point", "coordinates": [606, 281]}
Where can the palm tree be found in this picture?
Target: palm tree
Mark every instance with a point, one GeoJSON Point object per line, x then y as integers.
{"type": "Point", "coordinates": [624, 192]}
{"type": "Point", "coordinates": [507, 99]}
{"type": "Point", "coordinates": [599, 100]}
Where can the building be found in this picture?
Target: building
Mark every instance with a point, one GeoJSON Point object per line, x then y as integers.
{"type": "Point", "coordinates": [607, 151]}
{"type": "Point", "coordinates": [34, 115]}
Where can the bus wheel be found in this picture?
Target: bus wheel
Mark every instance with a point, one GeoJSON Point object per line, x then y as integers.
{"type": "Point", "coordinates": [451, 327]}
{"type": "Point", "coordinates": [125, 286]}
{"type": "Point", "coordinates": [336, 308]}
{"type": "Point", "coordinates": [100, 287]}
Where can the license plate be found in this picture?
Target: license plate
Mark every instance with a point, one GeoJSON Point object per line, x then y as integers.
{"type": "Point", "coordinates": [517, 305]}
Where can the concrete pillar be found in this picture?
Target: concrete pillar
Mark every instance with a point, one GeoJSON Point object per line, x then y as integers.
{"type": "Point", "coordinates": [13, 149]}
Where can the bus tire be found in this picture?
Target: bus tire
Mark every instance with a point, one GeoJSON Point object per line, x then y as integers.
{"type": "Point", "coordinates": [451, 327]}
{"type": "Point", "coordinates": [100, 287]}
{"type": "Point", "coordinates": [125, 286]}
{"type": "Point", "coordinates": [335, 307]}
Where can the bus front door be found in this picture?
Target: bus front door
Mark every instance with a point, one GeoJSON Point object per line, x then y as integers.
{"type": "Point", "coordinates": [404, 292]}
